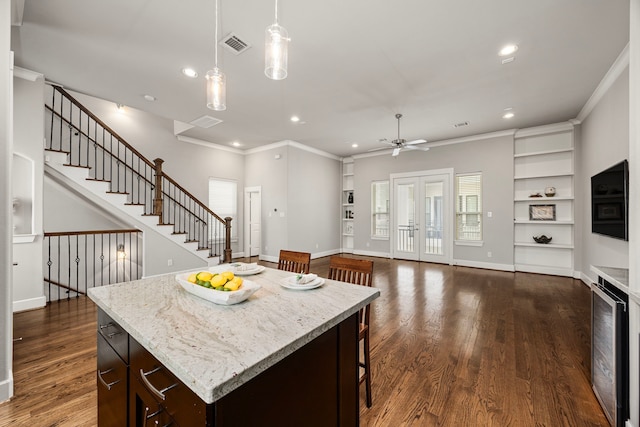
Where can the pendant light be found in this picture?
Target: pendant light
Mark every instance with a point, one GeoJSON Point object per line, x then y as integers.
{"type": "Point", "coordinates": [216, 81]}
{"type": "Point", "coordinates": [276, 50]}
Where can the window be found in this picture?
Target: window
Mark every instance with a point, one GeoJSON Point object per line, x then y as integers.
{"type": "Point", "coordinates": [223, 201]}
{"type": "Point", "coordinates": [380, 209]}
{"type": "Point", "coordinates": [469, 207]}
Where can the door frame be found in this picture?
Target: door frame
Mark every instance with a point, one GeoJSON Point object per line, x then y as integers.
{"type": "Point", "coordinates": [449, 211]}
{"type": "Point", "coordinates": [247, 220]}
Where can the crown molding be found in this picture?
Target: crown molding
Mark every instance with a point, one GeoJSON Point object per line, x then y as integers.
{"type": "Point", "coordinates": [619, 65]}
{"type": "Point", "coordinates": [545, 129]}
{"type": "Point", "coordinates": [25, 74]}
{"type": "Point", "coordinates": [289, 143]}
{"type": "Point", "coordinates": [207, 144]}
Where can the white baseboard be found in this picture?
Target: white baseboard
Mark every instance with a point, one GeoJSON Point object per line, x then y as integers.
{"type": "Point", "coordinates": [29, 304]}
{"type": "Point", "coordinates": [6, 388]}
{"type": "Point", "coordinates": [325, 253]}
{"type": "Point", "coordinates": [485, 265]}
{"type": "Point", "coordinates": [372, 253]}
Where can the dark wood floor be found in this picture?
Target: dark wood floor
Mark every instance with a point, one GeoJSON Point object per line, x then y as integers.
{"type": "Point", "coordinates": [451, 346]}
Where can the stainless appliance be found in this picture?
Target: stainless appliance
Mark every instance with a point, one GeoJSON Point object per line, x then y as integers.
{"type": "Point", "coordinates": [610, 350]}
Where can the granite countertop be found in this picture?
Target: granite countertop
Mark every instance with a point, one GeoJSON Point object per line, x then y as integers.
{"type": "Point", "coordinates": [213, 348]}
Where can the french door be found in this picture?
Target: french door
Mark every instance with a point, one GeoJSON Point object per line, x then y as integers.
{"type": "Point", "coordinates": [422, 216]}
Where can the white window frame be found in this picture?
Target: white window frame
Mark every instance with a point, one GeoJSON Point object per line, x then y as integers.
{"type": "Point", "coordinates": [466, 237]}
{"type": "Point", "coordinates": [231, 209]}
{"type": "Point", "coordinates": [375, 211]}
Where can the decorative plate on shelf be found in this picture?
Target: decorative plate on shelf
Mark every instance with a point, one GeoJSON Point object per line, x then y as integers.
{"type": "Point", "coordinates": [247, 289]}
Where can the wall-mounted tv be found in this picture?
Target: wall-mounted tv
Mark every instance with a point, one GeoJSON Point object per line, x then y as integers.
{"type": "Point", "coordinates": [610, 201]}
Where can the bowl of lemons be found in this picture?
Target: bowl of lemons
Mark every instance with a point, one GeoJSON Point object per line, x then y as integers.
{"type": "Point", "coordinates": [222, 287]}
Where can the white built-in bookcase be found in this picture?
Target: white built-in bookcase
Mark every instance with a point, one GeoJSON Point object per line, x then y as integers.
{"type": "Point", "coordinates": [544, 157]}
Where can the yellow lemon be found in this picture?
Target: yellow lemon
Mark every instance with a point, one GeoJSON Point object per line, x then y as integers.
{"type": "Point", "coordinates": [204, 275]}
{"type": "Point", "coordinates": [234, 284]}
{"type": "Point", "coordinates": [228, 274]}
{"type": "Point", "coordinates": [218, 280]}
{"type": "Point", "coordinates": [192, 278]}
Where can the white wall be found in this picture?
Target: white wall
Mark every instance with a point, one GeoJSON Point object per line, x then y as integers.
{"type": "Point", "coordinates": [28, 110]}
{"type": "Point", "coordinates": [492, 157]}
{"type": "Point", "coordinates": [604, 142]}
{"type": "Point", "coordinates": [6, 147]}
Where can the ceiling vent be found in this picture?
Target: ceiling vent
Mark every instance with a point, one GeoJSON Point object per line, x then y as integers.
{"type": "Point", "coordinates": [461, 124]}
{"type": "Point", "coordinates": [234, 44]}
{"type": "Point", "coordinates": [206, 122]}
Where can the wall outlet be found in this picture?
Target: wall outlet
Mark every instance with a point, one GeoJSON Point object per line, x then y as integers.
{"type": "Point", "coordinates": [489, 214]}
{"type": "Point", "coordinates": [169, 262]}
{"type": "Point", "coordinates": [489, 254]}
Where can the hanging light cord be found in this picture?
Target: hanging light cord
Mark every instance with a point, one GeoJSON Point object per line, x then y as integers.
{"type": "Point", "coordinates": [276, 11]}
{"type": "Point", "coordinates": [215, 46]}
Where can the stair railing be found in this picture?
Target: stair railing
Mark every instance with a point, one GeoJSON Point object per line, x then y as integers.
{"type": "Point", "coordinates": [90, 143]}
{"type": "Point", "coordinates": [78, 260]}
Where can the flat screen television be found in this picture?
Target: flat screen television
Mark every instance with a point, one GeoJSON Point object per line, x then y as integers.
{"type": "Point", "coordinates": [610, 201]}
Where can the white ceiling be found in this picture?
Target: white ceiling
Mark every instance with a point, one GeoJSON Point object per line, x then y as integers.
{"type": "Point", "coordinates": [353, 64]}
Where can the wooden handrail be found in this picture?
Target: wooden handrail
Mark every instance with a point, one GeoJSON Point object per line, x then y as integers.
{"type": "Point", "coordinates": [53, 282]}
{"type": "Point", "coordinates": [205, 207]}
{"type": "Point", "coordinates": [98, 145]}
{"type": "Point", "coordinates": [101, 123]}
{"type": "Point", "coordinates": [82, 233]}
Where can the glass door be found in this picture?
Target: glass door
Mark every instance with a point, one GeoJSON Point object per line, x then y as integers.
{"type": "Point", "coordinates": [421, 218]}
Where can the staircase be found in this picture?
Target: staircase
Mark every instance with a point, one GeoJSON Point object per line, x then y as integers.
{"type": "Point", "coordinates": [109, 171]}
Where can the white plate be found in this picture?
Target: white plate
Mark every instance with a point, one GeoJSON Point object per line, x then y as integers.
{"type": "Point", "coordinates": [219, 297]}
{"type": "Point", "coordinates": [290, 283]}
{"type": "Point", "coordinates": [256, 270]}
{"type": "Point", "coordinates": [233, 268]}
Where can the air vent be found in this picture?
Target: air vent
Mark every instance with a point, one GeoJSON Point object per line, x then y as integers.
{"type": "Point", "coordinates": [234, 44]}
{"type": "Point", "coordinates": [507, 60]}
{"type": "Point", "coordinates": [461, 124]}
{"type": "Point", "coordinates": [206, 122]}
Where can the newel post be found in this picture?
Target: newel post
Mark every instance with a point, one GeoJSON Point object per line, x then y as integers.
{"type": "Point", "coordinates": [157, 195]}
{"type": "Point", "coordinates": [227, 239]}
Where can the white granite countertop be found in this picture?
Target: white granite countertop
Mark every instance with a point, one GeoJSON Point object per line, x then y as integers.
{"type": "Point", "coordinates": [213, 348]}
{"type": "Point", "coordinates": [619, 277]}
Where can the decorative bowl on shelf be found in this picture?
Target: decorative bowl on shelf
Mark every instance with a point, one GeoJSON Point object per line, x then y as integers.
{"type": "Point", "coordinates": [542, 239]}
{"type": "Point", "coordinates": [536, 195]}
{"type": "Point", "coordinates": [550, 191]}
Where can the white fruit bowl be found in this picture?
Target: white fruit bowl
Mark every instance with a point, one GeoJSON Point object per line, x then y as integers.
{"type": "Point", "coordinates": [219, 297]}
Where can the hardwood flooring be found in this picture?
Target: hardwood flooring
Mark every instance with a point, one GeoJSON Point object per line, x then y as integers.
{"type": "Point", "coordinates": [451, 346]}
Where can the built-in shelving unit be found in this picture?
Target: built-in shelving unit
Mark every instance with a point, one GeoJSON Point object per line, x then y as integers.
{"type": "Point", "coordinates": [347, 206]}
{"type": "Point", "coordinates": [544, 161]}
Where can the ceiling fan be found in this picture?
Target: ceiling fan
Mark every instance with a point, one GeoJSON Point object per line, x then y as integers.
{"type": "Point", "coordinates": [399, 143]}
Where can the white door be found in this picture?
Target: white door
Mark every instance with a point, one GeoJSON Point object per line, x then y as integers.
{"type": "Point", "coordinates": [253, 215]}
{"type": "Point", "coordinates": [422, 217]}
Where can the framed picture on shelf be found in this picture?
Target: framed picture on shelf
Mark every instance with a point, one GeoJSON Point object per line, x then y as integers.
{"type": "Point", "coordinates": [542, 212]}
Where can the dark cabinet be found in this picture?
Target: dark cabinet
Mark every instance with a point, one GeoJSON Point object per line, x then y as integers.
{"type": "Point", "coordinates": [112, 373]}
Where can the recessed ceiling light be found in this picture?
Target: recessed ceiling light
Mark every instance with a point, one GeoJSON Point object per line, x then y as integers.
{"type": "Point", "coordinates": [190, 72]}
{"type": "Point", "coordinates": [354, 145]}
{"type": "Point", "coordinates": [508, 115]}
{"type": "Point", "coordinates": [120, 108]}
{"type": "Point", "coordinates": [236, 144]}
{"type": "Point", "coordinates": [295, 119]}
{"type": "Point", "coordinates": [508, 50]}
{"type": "Point", "coordinates": [149, 98]}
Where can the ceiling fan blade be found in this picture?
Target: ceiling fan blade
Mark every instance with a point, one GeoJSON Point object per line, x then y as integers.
{"type": "Point", "coordinates": [414, 147]}
{"type": "Point", "coordinates": [396, 151]}
{"type": "Point", "coordinates": [416, 141]}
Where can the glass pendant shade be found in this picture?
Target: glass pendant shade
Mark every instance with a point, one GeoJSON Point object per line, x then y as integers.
{"type": "Point", "coordinates": [276, 52]}
{"type": "Point", "coordinates": [216, 90]}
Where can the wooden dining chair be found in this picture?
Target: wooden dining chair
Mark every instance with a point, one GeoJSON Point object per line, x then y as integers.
{"type": "Point", "coordinates": [296, 262]}
{"type": "Point", "coordinates": [358, 272]}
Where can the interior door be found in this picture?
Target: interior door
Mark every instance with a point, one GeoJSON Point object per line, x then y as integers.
{"type": "Point", "coordinates": [422, 217]}
{"type": "Point", "coordinates": [253, 215]}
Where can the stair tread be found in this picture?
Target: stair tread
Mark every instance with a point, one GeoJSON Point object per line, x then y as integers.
{"type": "Point", "coordinates": [116, 192]}
{"type": "Point", "coordinates": [179, 232]}
{"type": "Point", "coordinates": [76, 166]}
{"type": "Point", "coordinates": [134, 204]}
{"type": "Point", "coordinates": [56, 151]}
{"type": "Point", "coordinates": [99, 180]}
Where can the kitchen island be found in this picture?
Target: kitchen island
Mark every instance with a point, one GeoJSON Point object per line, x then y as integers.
{"type": "Point", "coordinates": [282, 357]}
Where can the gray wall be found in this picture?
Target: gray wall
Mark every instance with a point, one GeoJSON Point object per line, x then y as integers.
{"type": "Point", "coordinates": [28, 134]}
{"type": "Point", "coordinates": [6, 297]}
{"type": "Point", "coordinates": [492, 157]}
{"type": "Point", "coordinates": [604, 142]}
{"type": "Point", "coordinates": [300, 199]}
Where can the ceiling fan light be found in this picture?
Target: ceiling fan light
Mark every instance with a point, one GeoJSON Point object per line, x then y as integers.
{"type": "Point", "coordinates": [216, 90]}
{"type": "Point", "coordinates": [276, 52]}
